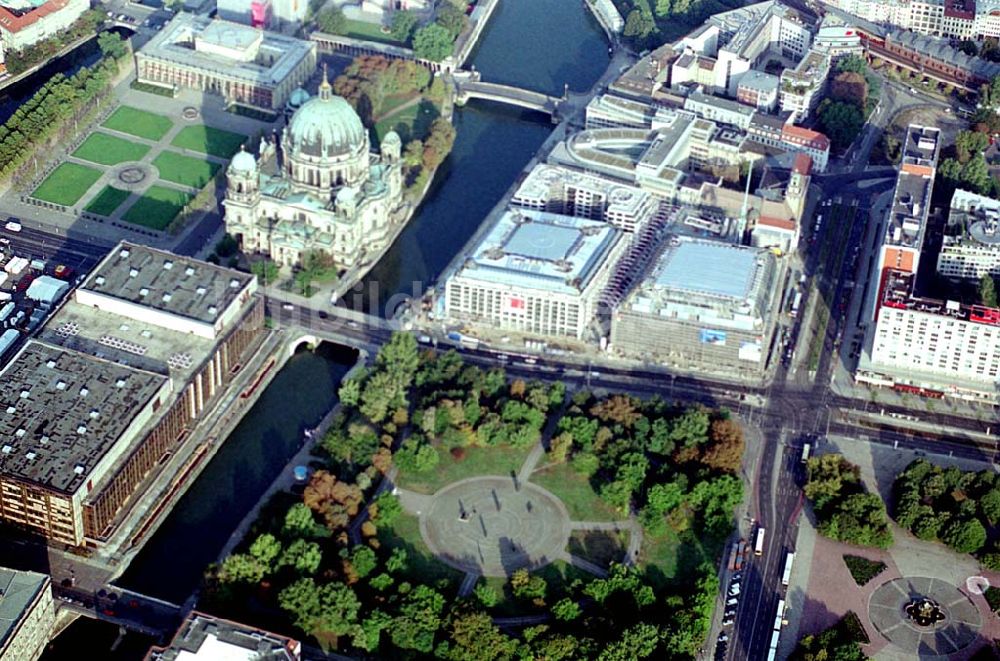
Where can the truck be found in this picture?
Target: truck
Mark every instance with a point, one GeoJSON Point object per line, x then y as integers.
{"type": "Point", "coordinates": [13, 226]}
{"type": "Point", "coordinates": [739, 553]}
{"type": "Point", "coordinates": [466, 341]}
{"type": "Point", "coordinates": [758, 548]}
{"type": "Point", "coordinates": [805, 452]}
{"type": "Point", "coordinates": [787, 574]}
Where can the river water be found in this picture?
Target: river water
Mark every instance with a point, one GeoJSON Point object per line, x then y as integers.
{"type": "Point", "coordinates": [536, 44]}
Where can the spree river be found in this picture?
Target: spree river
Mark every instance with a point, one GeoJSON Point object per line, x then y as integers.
{"type": "Point", "coordinates": [536, 44]}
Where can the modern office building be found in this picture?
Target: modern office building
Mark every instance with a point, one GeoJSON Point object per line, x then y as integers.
{"type": "Point", "coordinates": [333, 195]}
{"type": "Point", "coordinates": [916, 343]}
{"type": "Point", "coordinates": [970, 247]}
{"type": "Point", "coordinates": [26, 22]}
{"type": "Point", "coordinates": [906, 224]}
{"type": "Point", "coordinates": [702, 303]}
{"type": "Point", "coordinates": [27, 614]}
{"type": "Point", "coordinates": [560, 190]}
{"type": "Point", "coordinates": [203, 637]}
{"type": "Point", "coordinates": [244, 65]}
{"type": "Point", "coordinates": [718, 109]}
{"type": "Point", "coordinates": [536, 273]}
{"type": "Point", "coordinates": [932, 347]}
{"type": "Point", "coordinates": [758, 89]}
{"type": "Point", "coordinates": [611, 111]}
{"type": "Point", "coordinates": [115, 381]}
{"type": "Point", "coordinates": [803, 87]}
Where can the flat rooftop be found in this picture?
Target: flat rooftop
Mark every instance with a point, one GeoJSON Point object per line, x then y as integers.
{"type": "Point", "coordinates": [540, 250]}
{"type": "Point", "coordinates": [550, 182]}
{"type": "Point", "coordinates": [127, 341]}
{"type": "Point", "coordinates": [61, 411]}
{"type": "Point", "coordinates": [973, 219]}
{"type": "Point", "coordinates": [707, 268]}
{"type": "Point", "coordinates": [202, 636]}
{"type": "Point", "coordinates": [707, 281]}
{"type": "Point", "coordinates": [914, 184]}
{"type": "Point", "coordinates": [162, 281]}
{"type": "Point", "coordinates": [18, 589]}
{"type": "Point", "coordinates": [277, 57]}
{"type": "Point", "coordinates": [698, 98]}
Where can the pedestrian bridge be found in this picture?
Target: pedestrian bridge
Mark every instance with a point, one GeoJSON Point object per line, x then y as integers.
{"type": "Point", "coordinates": [515, 96]}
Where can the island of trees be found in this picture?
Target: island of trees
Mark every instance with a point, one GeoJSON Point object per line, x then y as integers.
{"type": "Point", "coordinates": [348, 568]}
{"type": "Point", "coordinates": [844, 510]}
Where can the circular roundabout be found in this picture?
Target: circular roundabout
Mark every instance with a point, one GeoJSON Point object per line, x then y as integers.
{"type": "Point", "coordinates": [924, 617]}
{"type": "Point", "coordinates": [491, 526]}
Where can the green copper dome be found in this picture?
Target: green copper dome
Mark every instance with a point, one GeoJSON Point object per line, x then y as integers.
{"type": "Point", "coordinates": [326, 125]}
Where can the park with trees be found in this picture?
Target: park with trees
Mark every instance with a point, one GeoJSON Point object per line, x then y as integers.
{"type": "Point", "coordinates": [845, 511]}
{"type": "Point", "coordinates": [53, 114]}
{"type": "Point", "coordinates": [959, 508]}
{"type": "Point", "coordinates": [853, 95]}
{"type": "Point", "coordinates": [433, 41]}
{"type": "Point", "coordinates": [402, 96]}
{"type": "Point", "coordinates": [650, 23]}
{"type": "Point", "coordinates": [344, 563]}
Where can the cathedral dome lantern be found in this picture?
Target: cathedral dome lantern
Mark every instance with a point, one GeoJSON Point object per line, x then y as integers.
{"type": "Point", "coordinates": [326, 127]}
{"type": "Point", "coordinates": [243, 163]}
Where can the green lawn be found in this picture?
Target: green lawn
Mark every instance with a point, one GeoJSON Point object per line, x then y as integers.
{"type": "Point", "coordinates": [109, 150]}
{"type": "Point", "coordinates": [411, 123]}
{"type": "Point", "coordinates": [157, 207]}
{"type": "Point", "coordinates": [67, 184]}
{"type": "Point", "coordinates": [208, 140]}
{"type": "Point", "coordinates": [575, 492]}
{"type": "Point", "coordinates": [137, 122]}
{"type": "Point", "coordinates": [602, 547]}
{"type": "Point", "coordinates": [423, 567]}
{"type": "Point", "coordinates": [369, 31]}
{"type": "Point", "coordinates": [671, 558]}
{"type": "Point", "coordinates": [477, 461]}
{"type": "Point", "coordinates": [185, 170]}
{"type": "Point", "coordinates": [107, 201]}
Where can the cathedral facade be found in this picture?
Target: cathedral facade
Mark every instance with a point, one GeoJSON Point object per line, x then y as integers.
{"type": "Point", "coordinates": [331, 194]}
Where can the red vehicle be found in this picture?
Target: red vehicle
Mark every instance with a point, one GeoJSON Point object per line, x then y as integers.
{"type": "Point", "coordinates": [24, 282]}
{"type": "Point", "coordinates": [63, 272]}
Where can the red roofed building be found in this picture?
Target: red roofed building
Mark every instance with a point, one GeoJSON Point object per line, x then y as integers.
{"type": "Point", "coordinates": [23, 23]}
{"type": "Point", "coordinates": [813, 143]}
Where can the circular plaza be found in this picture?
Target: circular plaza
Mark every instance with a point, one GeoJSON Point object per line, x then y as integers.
{"type": "Point", "coordinates": [493, 526]}
{"type": "Point", "coordinates": [924, 617]}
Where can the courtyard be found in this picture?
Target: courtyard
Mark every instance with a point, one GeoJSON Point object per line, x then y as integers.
{"type": "Point", "coordinates": [144, 163]}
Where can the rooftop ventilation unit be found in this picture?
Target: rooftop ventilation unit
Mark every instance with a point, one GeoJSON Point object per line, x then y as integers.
{"type": "Point", "coordinates": [166, 297]}
{"type": "Point", "coordinates": [120, 383]}
{"type": "Point", "coordinates": [84, 392]}
{"type": "Point", "coordinates": [78, 469]}
{"type": "Point", "coordinates": [50, 364]}
{"type": "Point", "coordinates": [143, 292]}
{"type": "Point", "coordinates": [60, 385]}
{"type": "Point", "coordinates": [30, 455]}
{"type": "Point", "coordinates": [124, 253]}
{"type": "Point", "coordinates": [133, 272]}
{"type": "Point", "coordinates": [44, 440]}
{"type": "Point", "coordinates": [94, 414]}
{"type": "Point", "coordinates": [234, 283]}
{"type": "Point", "coordinates": [81, 430]}
{"type": "Point", "coordinates": [168, 265]}
{"type": "Point", "coordinates": [11, 410]}
{"type": "Point", "coordinates": [99, 280]}
{"type": "Point", "coordinates": [7, 449]}
{"type": "Point", "coordinates": [20, 433]}
{"type": "Point", "coordinates": [212, 309]}
{"type": "Point", "coordinates": [189, 271]}
{"type": "Point", "coordinates": [24, 394]}
{"type": "Point", "coordinates": [200, 291]}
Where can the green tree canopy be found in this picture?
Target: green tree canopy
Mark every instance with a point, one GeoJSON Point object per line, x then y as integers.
{"type": "Point", "coordinates": [433, 42]}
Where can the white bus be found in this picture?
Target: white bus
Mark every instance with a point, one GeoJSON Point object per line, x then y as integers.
{"type": "Point", "coordinates": [796, 302]}
{"type": "Point", "coordinates": [789, 559]}
{"type": "Point", "coordinates": [758, 548]}
{"type": "Point", "coordinates": [805, 452]}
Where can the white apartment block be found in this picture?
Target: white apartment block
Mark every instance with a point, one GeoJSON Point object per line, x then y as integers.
{"type": "Point", "coordinates": [934, 345]}
{"type": "Point", "coordinates": [25, 23]}
{"type": "Point", "coordinates": [971, 245]}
